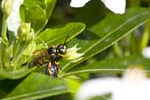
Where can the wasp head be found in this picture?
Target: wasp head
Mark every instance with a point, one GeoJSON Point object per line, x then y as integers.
{"type": "Point", "coordinates": [61, 49]}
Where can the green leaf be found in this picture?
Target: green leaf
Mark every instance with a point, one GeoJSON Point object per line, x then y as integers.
{"type": "Point", "coordinates": [38, 86]}
{"type": "Point", "coordinates": [110, 30]}
{"type": "Point", "coordinates": [1, 65]}
{"type": "Point", "coordinates": [115, 27]}
{"type": "Point", "coordinates": [34, 15]}
{"type": "Point", "coordinates": [15, 74]}
{"type": "Point", "coordinates": [57, 35]}
{"type": "Point", "coordinates": [37, 12]}
{"type": "Point", "coordinates": [114, 65]}
{"type": "Point", "coordinates": [50, 4]}
{"type": "Point", "coordinates": [30, 3]}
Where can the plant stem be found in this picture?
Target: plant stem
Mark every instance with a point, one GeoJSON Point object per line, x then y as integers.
{"type": "Point", "coordinates": [4, 43]}
{"type": "Point", "coordinates": [117, 50]}
{"type": "Point", "coordinates": [18, 51]}
{"type": "Point", "coordinates": [4, 31]}
{"type": "Point", "coordinates": [1, 64]}
{"type": "Point", "coordinates": [145, 36]}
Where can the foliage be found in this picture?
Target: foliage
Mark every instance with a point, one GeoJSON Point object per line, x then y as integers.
{"type": "Point", "coordinates": [101, 43]}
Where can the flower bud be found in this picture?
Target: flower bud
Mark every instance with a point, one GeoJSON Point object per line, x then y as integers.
{"type": "Point", "coordinates": [30, 36]}
{"type": "Point", "coordinates": [24, 29]}
{"type": "Point", "coordinates": [25, 32]}
{"type": "Point", "coordinates": [6, 7]}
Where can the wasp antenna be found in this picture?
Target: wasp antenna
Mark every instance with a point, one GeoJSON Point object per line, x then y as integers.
{"type": "Point", "coordinates": [66, 39]}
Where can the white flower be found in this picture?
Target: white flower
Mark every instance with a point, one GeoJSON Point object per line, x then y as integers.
{"type": "Point", "coordinates": [78, 3]}
{"type": "Point", "coordinates": [72, 54]}
{"type": "Point", "coordinates": [117, 6]}
{"type": "Point", "coordinates": [14, 20]}
{"type": "Point", "coordinates": [146, 52]}
{"type": "Point", "coordinates": [133, 86]}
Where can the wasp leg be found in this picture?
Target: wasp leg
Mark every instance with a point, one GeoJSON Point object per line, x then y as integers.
{"type": "Point", "coordinates": [47, 70]}
{"type": "Point", "coordinates": [54, 72]}
{"type": "Point", "coordinates": [51, 70]}
{"type": "Point", "coordinates": [54, 69]}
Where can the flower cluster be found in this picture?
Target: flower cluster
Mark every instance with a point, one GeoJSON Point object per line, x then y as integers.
{"type": "Point", "coordinates": [72, 54]}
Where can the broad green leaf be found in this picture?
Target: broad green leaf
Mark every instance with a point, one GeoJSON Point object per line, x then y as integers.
{"type": "Point", "coordinates": [115, 27]}
{"type": "Point", "coordinates": [50, 4]}
{"type": "Point", "coordinates": [15, 74]}
{"type": "Point", "coordinates": [110, 30]}
{"type": "Point", "coordinates": [37, 12]}
{"type": "Point", "coordinates": [30, 3]}
{"type": "Point", "coordinates": [113, 65]}
{"type": "Point", "coordinates": [58, 35]}
{"type": "Point", "coordinates": [34, 15]}
{"type": "Point", "coordinates": [37, 86]}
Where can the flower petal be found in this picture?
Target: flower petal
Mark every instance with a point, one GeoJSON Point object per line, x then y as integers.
{"type": "Point", "coordinates": [78, 3]}
{"type": "Point", "coordinates": [14, 20]}
{"type": "Point", "coordinates": [97, 87]}
{"type": "Point", "coordinates": [117, 6]}
{"type": "Point", "coordinates": [146, 52]}
{"type": "Point", "coordinates": [134, 85]}
{"type": "Point", "coordinates": [72, 55]}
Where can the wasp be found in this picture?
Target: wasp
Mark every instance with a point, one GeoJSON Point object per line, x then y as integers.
{"type": "Point", "coordinates": [51, 58]}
